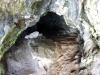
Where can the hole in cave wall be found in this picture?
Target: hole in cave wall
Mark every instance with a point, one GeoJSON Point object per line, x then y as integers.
{"type": "Point", "coordinates": [49, 24]}
{"type": "Point", "coordinates": [52, 24]}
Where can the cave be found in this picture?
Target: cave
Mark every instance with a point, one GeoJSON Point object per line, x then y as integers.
{"type": "Point", "coordinates": [50, 24]}
{"type": "Point", "coordinates": [66, 38]}
{"type": "Point", "coordinates": [58, 41]}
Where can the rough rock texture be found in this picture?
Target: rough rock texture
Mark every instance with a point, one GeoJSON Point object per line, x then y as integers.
{"type": "Point", "coordinates": [67, 62]}
{"type": "Point", "coordinates": [42, 56]}
{"type": "Point", "coordinates": [17, 15]}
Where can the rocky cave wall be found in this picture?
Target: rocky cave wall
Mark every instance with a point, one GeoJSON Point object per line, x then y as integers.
{"type": "Point", "coordinates": [39, 56]}
{"type": "Point", "coordinates": [17, 15]}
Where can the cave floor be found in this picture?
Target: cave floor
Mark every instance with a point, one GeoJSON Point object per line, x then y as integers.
{"type": "Point", "coordinates": [67, 62]}
{"type": "Point", "coordinates": [50, 55]}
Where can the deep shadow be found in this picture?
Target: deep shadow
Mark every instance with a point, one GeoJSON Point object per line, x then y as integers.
{"type": "Point", "coordinates": [52, 24]}
{"type": "Point", "coordinates": [49, 24]}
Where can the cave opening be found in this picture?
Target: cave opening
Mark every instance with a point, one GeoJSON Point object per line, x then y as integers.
{"type": "Point", "coordinates": [59, 43]}
{"type": "Point", "coordinates": [50, 24]}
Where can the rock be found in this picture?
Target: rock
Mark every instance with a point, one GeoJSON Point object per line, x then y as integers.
{"type": "Point", "coordinates": [32, 35]}
{"type": "Point", "coordinates": [23, 58]}
{"type": "Point", "coordinates": [82, 15]}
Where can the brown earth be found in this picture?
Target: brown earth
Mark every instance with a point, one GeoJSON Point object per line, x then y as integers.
{"type": "Point", "coordinates": [51, 55]}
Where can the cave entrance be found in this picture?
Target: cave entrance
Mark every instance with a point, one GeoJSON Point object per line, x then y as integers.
{"type": "Point", "coordinates": [50, 24]}
{"type": "Point", "coordinates": [34, 55]}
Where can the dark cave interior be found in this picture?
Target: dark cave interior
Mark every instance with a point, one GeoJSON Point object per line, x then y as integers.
{"type": "Point", "coordinates": [50, 24]}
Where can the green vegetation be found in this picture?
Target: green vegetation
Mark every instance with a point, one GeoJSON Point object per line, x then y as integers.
{"type": "Point", "coordinates": [9, 39]}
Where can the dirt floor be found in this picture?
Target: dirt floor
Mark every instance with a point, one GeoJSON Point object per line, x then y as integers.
{"type": "Point", "coordinates": [51, 55]}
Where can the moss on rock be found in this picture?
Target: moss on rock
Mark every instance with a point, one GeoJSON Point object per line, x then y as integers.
{"type": "Point", "coordinates": [9, 39]}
